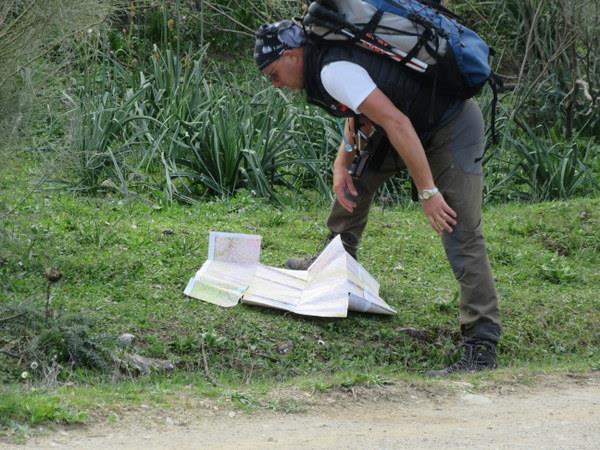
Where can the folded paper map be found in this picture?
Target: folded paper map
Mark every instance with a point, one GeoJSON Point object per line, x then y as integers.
{"type": "Point", "coordinates": [333, 284]}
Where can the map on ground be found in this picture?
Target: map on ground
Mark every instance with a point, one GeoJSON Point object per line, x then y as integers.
{"type": "Point", "coordinates": [334, 283]}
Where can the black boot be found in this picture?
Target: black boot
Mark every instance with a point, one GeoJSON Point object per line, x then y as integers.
{"type": "Point", "coordinates": [300, 263]}
{"type": "Point", "coordinates": [305, 262]}
{"type": "Point", "coordinates": [477, 356]}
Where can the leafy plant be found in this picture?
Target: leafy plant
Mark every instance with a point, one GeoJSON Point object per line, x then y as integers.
{"type": "Point", "coordinates": [46, 342]}
{"type": "Point", "coordinates": [34, 35]}
{"type": "Point", "coordinates": [182, 131]}
{"type": "Point", "coordinates": [557, 271]}
{"type": "Point", "coordinates": [551, 168]}
{"type": "Point", "coordinates": [546, 52]}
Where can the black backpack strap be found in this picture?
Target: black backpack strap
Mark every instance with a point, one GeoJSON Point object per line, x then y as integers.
{"type": "Point", "coordinates": [371, 26]}
{"type": "Point", "coordinates": [378, 150]}
{"type": "Point", "coordinates": [436, 74]}
{"type": "Point", "coordinates": [356, 130]}
{"type": "Point", "coordinates": [425, 36]}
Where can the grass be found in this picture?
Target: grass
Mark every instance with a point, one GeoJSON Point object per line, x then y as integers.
{"type": "Point", "coordinates": [125, 260]}
{"type": "Point", "coordinates": [35, 408]}
{"type": "Point", "coordinates": [125, 263]}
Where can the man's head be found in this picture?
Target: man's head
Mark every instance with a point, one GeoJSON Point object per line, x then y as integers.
{"type": "Point", "coordinates": [279, 53]}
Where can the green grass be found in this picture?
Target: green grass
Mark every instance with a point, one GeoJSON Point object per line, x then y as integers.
{"type": "Point", "coordinates": [125, 261]}
{"type": "Point", "coordinates": [34, 408]}
{"type": "Point", "coordinates": [123, 270]}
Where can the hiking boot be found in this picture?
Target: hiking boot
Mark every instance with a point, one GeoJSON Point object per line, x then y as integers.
{"type": "Point", "coordinates": [305, 262]}
{"type": "Point", "coordinates": [300, 263]}
{"type": "Point", "coordinates": [477, 356]}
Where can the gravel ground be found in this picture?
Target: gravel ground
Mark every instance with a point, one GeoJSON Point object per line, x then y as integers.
{"type": "Point", "coordinates": [556, 413]}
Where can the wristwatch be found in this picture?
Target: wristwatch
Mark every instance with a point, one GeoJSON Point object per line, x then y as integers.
{"type": "Point", "coordinates": [426, 194]}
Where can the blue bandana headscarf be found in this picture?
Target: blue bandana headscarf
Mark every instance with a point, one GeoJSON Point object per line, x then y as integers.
{"type": "Point", "coordinates": [272, 39]}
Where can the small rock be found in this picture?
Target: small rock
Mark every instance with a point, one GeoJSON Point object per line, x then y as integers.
{"type": "Point", "coordinates": [126, 339]}
{"type": "Point", "coordinates": [134, 176]}
{"type": "Point", "coordinates": [476, 399]}
{"type": "Point", "coordinates": [108, 183]}
{"type": "Point", "coordinates": [53, 274]}
{"type": "Point", "coordinates": [231, 414]}
{"type": "Point", "coordinates": [144, 365]}
{"type": "Point", "coordinates": [284, 347]}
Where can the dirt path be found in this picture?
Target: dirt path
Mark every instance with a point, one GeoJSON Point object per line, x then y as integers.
{"type": "Point", "coordinates": [558, 413]}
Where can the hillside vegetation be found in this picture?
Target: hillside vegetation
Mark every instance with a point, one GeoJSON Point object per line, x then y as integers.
{"type": "Point", "coordinates": [130, 129]}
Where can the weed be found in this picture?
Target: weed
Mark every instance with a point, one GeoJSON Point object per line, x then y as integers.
{"type": "Point", "coordinates": [286, 406]}
{"type": "Point", "coordinates": [557, 271]}
{"type": "Point", "coordinates": [553, 169]}
{"type": "Point", "coordinates": [35, 408]}
{"type": "Point", "coordinates": [243, 400]}
{"type": "Point", "coordinates": [46, 342]}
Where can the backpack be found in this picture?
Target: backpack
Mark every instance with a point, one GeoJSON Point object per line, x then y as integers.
{"type": "Point", "coordinates": [421, 35]}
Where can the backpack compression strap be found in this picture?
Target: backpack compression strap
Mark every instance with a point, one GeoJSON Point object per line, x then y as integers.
{"type": "Point", "coordinates": [320, 15]}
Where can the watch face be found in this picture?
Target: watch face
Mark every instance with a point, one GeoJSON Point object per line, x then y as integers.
{"type": "Point", "coordinates": [426, 194]}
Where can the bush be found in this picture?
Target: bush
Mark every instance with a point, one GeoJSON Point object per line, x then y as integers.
{"type": "Point", "coordinates": [183, 132]}
{"type": "Point", "coordinates": [539, 165]}
{"type": "Point", "coordinates": [28, 31]}
{"type": "Point", "coordinates": [44, 342]}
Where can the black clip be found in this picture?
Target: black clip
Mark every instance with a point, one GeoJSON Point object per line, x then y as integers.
{"type": "Point", "coordinates": [361, 158]}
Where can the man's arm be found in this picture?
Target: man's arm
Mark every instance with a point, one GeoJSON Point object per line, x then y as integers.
{"type": "Point", "coordinates": [403, 137]}
{"type": "Point", "coordinates": [342, 181]}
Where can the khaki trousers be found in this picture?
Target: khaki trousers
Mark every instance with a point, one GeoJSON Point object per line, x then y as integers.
{"type": "Point", "coordinates": [454, 153]}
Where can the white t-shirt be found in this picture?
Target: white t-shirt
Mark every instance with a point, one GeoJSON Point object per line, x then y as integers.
{"type": "Point", "coordinates": [348, 83]}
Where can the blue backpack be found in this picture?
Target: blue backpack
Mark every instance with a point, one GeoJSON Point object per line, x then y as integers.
{"type": "Point", "coordinates": [421, 35]}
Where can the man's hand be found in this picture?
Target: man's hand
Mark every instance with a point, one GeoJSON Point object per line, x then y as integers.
{"type": "Point", "coordinates": [344, 189]}
{"type": "Point", "coordinates": [441, 217]}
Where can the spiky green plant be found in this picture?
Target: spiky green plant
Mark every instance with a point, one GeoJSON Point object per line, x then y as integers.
{"type": "Point", "coordinates": [188, 132]}
{"type": "Point", "coordinates": [552, 168]}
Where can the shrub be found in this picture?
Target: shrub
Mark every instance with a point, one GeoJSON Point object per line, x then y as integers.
{"type": "Point", "coordinates": [43, 343]}
{"type": "Point", "coordinates": [543, 166]}
{"type": "Point", "coordinates": [182, 131]}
